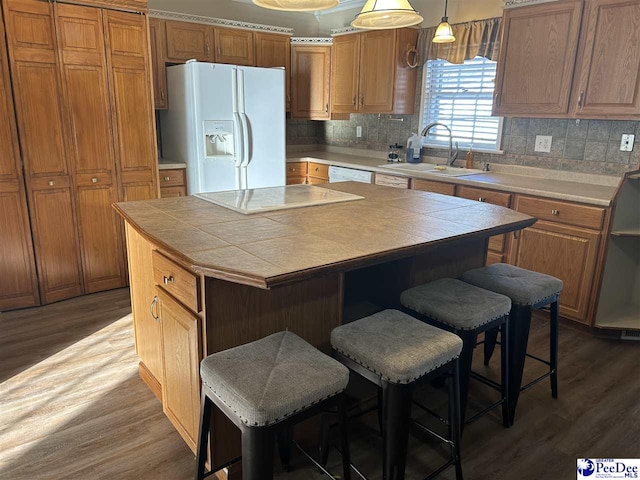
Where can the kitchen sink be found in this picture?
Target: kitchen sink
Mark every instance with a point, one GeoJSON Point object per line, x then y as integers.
{"type": "Point", "coordinates": [431, 169]}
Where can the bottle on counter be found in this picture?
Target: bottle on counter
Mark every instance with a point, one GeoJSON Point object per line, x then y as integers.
{"type": "Point", "coordinates": [469, 160]}
{"type": "Point", "coordinates": [414, 149]}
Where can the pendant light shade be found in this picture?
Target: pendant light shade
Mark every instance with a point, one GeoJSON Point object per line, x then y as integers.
{"type": "Point", "coordinates": [444, 32]}
{"type": "Point", "coordinates": [297, 5]}
{"type": "Point", "coordinates": [386, 14]}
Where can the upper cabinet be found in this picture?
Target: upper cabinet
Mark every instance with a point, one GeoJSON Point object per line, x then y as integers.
{"type": "Point", "coordinates": [607, 81]}
{"type": "Point", "coordinates": [274, 50]}
{"type": "Point", "coordinates": [311, 74]}
{"type": "Point", "coordinates": [158, 60]}
{"type": "Point", "coordinates": [570, 59]}
{"type": "Point", "coordinates": [234, 46]}
{"type": "Point", "coordinates": [370, 75]}
{"type": "Point", "coordinates": [186, 41]}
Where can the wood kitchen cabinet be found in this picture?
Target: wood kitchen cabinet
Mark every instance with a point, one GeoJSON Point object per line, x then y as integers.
{"type": "Point", "coordinates": [431, 186]}
{"type": "Point", "coordinates": [274, 50]}
{"type": "Point", "coordinates": [391, 181]}
{"type": "Point", "coordinates": [296, 173]}
{"type": "Point", "coordinates": [185, 40]}
{"type": "Point", "coordinates": [571, 58]}
{"type": "Point", "coordinates": [158, 63]}
{"type": "Point", "coordinates": [234, 46]}
{"type": "Point", "coordinates": [18, 281]}
{"type": "Point", "coordinates": [311, 76]}
{"type": "Point", "coordinates": [173, 183]}
{"type": "Point", "coordinates": [317, 173]}
{"type": "Point", "coordinates": [370, 75]}
{"type": "Point", "coordinates": [564, 243]}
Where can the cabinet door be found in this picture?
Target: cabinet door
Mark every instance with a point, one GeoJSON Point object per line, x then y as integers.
{"type": "Point", "coordinates": [185, 41]}
{"type": "Point", "coordinates": [84, 76]}
{"type": "Point", "coordinates": [568, 253]}
{"type": "Point", "coordinates": [608, 72]}
{"type": "Point", "coordinates": [377, 71]}
{"type": "Point", "coordinates": [311, 73]}
{"type": "Point", "coordinates": [38, 99]}
{"type": "Point", "coordinates": [159, 67]}
{"type": "Point", "coordinates": [234, 46]}
{"type": "Point", "coordinates": [133, 115]}
{"type": "Point", "coordinates": [537, 58]}
{"type": "Point", "coordinates": [18, 281]}
{"type": "Point", "coordinates": [345, 70]}
{"type": "Point", "coordinates": [181, 348]}
{"type": "Point", "coordinates": [274, 50]}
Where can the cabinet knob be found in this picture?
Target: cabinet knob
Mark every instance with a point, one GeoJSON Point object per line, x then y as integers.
{"type": "Point", "coordinates": [94, 180]}
{"type": "Point", "coordinates": [555, 212]}
{"type": "Point", "coordinates": [166, 179]}
{"type": "Point", "coordinates": [482, 199]}
{"type": "Point", "coordinates": [51, 183]}
{"type": "Point", "coordinates": [317, 169]}
{"type": "Point", "coordinates": [168, 280]}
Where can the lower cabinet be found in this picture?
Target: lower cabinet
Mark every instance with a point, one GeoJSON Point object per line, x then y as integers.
{"type": "Point", "coordinates": [173, 183]}
{"type": "Point", "coordinates": [296, 173]}
{"type": "Point", "coordinates": [181, 350]}
{"type": "Point", "coordinates": [566, 252]}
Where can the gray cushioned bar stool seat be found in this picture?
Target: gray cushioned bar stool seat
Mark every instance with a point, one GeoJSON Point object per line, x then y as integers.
{"type": "Point", "coordinates": [264, 387]}
{"type": "Point", "coordinates": [468, 311]}
{"type": "Point", "coordinates": [395, 352]}
{"type": "Point", "coordinates": [528, 291]}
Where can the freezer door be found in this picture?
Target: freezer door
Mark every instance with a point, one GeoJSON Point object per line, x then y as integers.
{"type": "Point", "coordinates": [261, 103]}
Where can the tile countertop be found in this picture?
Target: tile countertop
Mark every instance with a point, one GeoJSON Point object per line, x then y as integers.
{"type": "Point", "coordinates": [560, 185]}
{"type": "Point", "coordinates": [167, 164]}
{"type": "Point", "coordinates": [257, 249]}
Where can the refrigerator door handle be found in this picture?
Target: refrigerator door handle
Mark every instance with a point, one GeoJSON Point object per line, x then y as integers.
{"type": "Point", "coordinates": [246, 154]}
{"type": "Point", "coordinates": [239, 157]}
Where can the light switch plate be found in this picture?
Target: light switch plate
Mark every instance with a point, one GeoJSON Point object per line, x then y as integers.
{"type": "Point", "coordinates": [543, 143]}
{"type": "Point", "coordinates": [626, 144]}
{"type": "Point", "coordinates": [359, 131]}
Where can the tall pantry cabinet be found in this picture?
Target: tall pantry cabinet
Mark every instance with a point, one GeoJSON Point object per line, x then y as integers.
{"type": "Point", "coordinates": [83, 101]}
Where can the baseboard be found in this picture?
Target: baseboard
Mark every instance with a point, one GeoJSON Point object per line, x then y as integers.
{"type": "Point", "coordinates": [151, 381]}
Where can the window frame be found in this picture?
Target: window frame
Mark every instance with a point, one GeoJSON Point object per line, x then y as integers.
{"type": "Point", "coordinates": [425, 143]}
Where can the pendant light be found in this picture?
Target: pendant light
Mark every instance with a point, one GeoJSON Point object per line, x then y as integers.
{"type": "Point", "coordinates": [386, 14]}
{"type": "Point", "coordinates": [444, 32]}
{"type": "Point", "coordinates": [297, 5]}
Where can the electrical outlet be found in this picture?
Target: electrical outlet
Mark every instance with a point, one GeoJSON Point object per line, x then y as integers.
{"type": "Point", "coordinates": [543, 143]}
{"type": "Point", "coordinates": [359, 131]}
{"type": "Point", "coordinates": [626, 144]}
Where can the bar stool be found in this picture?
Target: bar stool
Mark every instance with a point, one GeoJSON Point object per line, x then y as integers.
{"type": "Point", "coordinates": [265, 387]}
{"type": "Point", "coordinates": [467, 311]}
{"type": "Point", "coordinates": [396, 352]}
{"type": "Point", "coordinates": [528, 291]}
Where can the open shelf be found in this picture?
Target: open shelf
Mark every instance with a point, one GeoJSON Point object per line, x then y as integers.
{"type": "Point", "coordinates": [626, 317]}
{"type": "Point", "coordinates": [626, 232]}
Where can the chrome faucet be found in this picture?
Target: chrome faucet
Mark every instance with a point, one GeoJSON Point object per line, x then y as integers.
{"type": "Point", "coordinates": [452, 155]}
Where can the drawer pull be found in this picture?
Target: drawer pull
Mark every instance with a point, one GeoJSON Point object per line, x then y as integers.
{"type": "Point", "coordinates": [482, 199]}
{"type": "Point", "coordinates": [168, 280]}
{"type": "Point", "coordinates": [166, 179]}
{"type": "Point", "coordinates": [51, 183]}
{"type": "Point", "coordinates": [94, 180]}
{"type": "Point", "coordinates": [152, 310]}
{"type": "Point", "coordinates": [555, 212]}
{"type": "Point", "coordinates": [317, 169]}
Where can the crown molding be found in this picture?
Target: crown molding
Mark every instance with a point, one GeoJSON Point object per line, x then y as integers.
{"type": "Point", "coordinates": [311, 41]}
{"type": "Point", "coordinates": [519, 3]}
{"type": "Point", "coordinates": [345, 30]}
{"type": "Point", "coordinates": [219, 22]}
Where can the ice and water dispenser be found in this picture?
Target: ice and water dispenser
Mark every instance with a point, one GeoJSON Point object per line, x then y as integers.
{"type": "Point", "coordinates": [218, 138]}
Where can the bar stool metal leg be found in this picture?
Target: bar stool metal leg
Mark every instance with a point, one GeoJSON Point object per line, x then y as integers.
{"type": "Point", "coordinates": [344, 438]}
{"type": "Point", "coordinates": [504, 373]}
{"type": "Point", "coordinates": [464, 362]}
{"type": "Point", "coordinates": [285, 442]}
{"type": "Point", "coordinates": [519, 323]}
{"type": "Point", "coordinates": [257, 453]}
{"type": "Point", "coordinates": [490, 339]}
{"type": "Point", "coordinates": [553, 347]}
{"type": "Point", "coordinates": [455, 431]}
{"type": "Point", "coordinates": [206, 408]}
{"type": "Point", "coordinates": [397, 400]}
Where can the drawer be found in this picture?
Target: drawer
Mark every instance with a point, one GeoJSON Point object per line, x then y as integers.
{"type": "Point", "coordinates": [172, 178]}
{"type": "Point", "coordinates": [318, 170]}
{"type": "Point", "coordinates": [293, 180]}
{"type": "Point", "coordinates": [172, 192]}
{"type": "Point", "coordinates": [483, 195]}
{"type": "Point", "coordinates": [561, 212]}
{"type": "Point", "coordinates": [176, 280]}
{"type": "Point", "coordinates": [297, 169]}
{"type": "Point", "coordinates": [435, 187]}
{"type": "Point", "coordinates": [316, 180]}
{"type": "Point", "coordinates": [391, 181]}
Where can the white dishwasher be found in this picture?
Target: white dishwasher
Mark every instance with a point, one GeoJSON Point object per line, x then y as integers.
{"type": "Point", "coordinates": [341, 174]}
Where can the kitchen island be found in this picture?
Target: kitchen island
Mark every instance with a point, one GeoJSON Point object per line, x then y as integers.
{"type": "Point", "coordinates": [205, 278]}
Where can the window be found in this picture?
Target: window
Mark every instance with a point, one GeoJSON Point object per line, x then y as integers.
{"type": "Point", "coordinates": [461, 97]}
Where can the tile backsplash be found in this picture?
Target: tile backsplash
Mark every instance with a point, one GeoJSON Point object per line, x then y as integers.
{"type": "Point", "coordinates": [590, 146]}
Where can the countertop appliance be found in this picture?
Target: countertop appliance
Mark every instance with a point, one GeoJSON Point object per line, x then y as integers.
{"type": "Point", "coordinates": [341, 174]}
{"type": "Point", "coordinates": [227, 123]}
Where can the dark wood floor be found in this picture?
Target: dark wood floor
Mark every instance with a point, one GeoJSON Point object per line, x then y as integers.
{"type": "Point", "coordinates": [72, 407]}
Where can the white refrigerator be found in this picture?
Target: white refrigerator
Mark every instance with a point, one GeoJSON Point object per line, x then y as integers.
{"type": "Point", "coordinates": [227, 123]}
